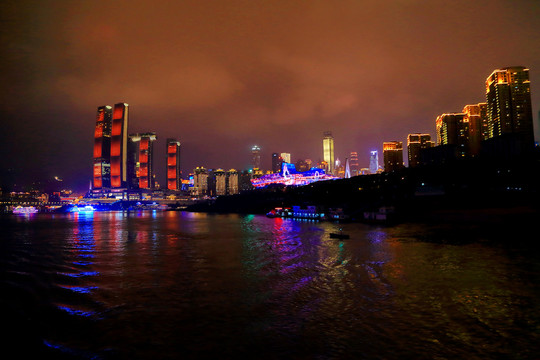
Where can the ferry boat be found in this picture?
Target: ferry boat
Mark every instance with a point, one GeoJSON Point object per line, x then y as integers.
{"type": "Point", "coordinates": [297, 212]}
{"type": "Point", "coordinates": [23, 210]}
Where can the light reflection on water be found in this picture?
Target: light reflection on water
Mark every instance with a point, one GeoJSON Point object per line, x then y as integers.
{"type": "Point", "coordinates": [190, 284]}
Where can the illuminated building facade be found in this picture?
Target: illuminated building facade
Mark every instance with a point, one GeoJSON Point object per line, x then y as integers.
{"type": "Point", "coordinates": [373, 161]}
{"type": "Point", "coordinates": [102, 148]}
{"type": "Point", "coordinates": [453, 129]}
{"type": "Point", "coordinates": [415, 144]}
{"type": "Point", "coordinates": [476, 117]}
{"type": "Point", "coordinates": [256, 157]}
{"type": "Point", "coordinates": [286, 157]}
{"type": "Point", "coordinates": [276, 162]}
{"type": "Point", "coordinates": [232, 182]}
{"type": "Point", "coordinates": [174, 175]}
{"type": "Point", "coordinates": [354, 165]}
{"type": "Point", "coordinates": [133, 162]}
{"type": "Point", "coordinates": [328, 151]}
{"type": "Point", "coordinates": [393, 155]}
{"type": "Point", "coordinates": [508, 97]}
{"type": "Point", "coordinates": [119, 145]}
{"type": "Point", "coordinates": [289, 176]}
{"type": "Point", "coordinates": [220, 181]}
{"type": "Point", "coordinates": [200, 182]}
{"type": "Point", "coordinates": [146, 160]}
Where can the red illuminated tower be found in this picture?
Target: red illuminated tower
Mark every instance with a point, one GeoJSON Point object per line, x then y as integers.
{"type": "Point", "coordinates": [102, 148]}
{"type": "Point", "coordinates": [146, 160]}
{"type": "Point", "coordinates": [119, 146]}
{"type": "Point", "coordinates": [173, 165]}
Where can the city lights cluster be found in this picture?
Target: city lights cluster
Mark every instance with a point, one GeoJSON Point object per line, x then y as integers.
{"type": "Point", "coordinates": [289, 176]}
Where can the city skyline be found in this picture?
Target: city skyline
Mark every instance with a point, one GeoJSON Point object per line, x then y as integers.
{"type": "Point", "coordinates": [273, 75]}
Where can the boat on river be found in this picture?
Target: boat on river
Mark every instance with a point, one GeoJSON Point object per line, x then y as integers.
{"type": "Point", "coordinates": [23, 210]}
{"type": "Point", "coordinates": [339, 235]}
{"type": "Point", "coordinates": [297, 212]}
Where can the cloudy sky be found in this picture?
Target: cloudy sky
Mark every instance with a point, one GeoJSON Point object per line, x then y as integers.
{"type": "Point", "coordinates": [224, 75]}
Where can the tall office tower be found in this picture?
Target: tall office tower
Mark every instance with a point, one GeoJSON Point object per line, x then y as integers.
{"type": "Point", "coordinates": [373, 161]}
{"type": "Point", "coordinates": [132, 163]}
{"type": "Point", "coordinates": [393, 155]}
{"type": "Point", "coordinates": [415, 144]}
{"type": "Point", "coordinates": [232, 182]}
{"type": "Point", "coordinates": [119, 146]}
{"type": "Point", "coordinates": [509, 109]}
{"type": "Point", "coordinates": [174, 174]}
{"type": "Point", "coordinates": [328, 151]}
{"type": "Point", "coordinates": [453, 129]}
{"type": "Point", "coordinates": [146, 160]}
{"type": "Point", "coordinates": [286, 157]}
{"type": "Point", "coordinates": [354, 165]}
{"type": "Point", "coordinates": [276, 163]}
{"type": "Point", "coordinates": [102, 148]}
{"type": "Point", "coordinates": [256, 157]}
{"type": "Point", "coordinates": [476, 117]}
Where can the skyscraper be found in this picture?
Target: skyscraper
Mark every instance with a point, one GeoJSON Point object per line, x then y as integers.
{"type": "Point", "coordinates": [328, 151]}
{"type": "Point", "coordinates": [509, 103]}
{"type": "Point", "coordinates": [132, 163]}
{"type": "Point", "coordinates": [354, 165]}
{"type": "Point", "coordinates": [119, 145]}
{"type": "Point", "coordinates": [174, 173]}
{"type": "Point", "coordinates": [102, 148]}
{"type": "Point", "coordinates": [256, 157]}
{"type": "Point", "coordinates": [373, 161]}
{"type": "Point", "coordinates": [415, 143]}
{"type": "Point", "coordinates": [393, 155]}
{"type": "Point", "coordinates": [146, 160]}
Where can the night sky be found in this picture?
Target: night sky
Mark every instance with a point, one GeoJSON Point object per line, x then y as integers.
{"type": "Point", "coordinates": [224, 75]}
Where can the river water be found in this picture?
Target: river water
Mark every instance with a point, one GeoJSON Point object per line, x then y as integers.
{"type": "Point", "coordinates": [178, 285]}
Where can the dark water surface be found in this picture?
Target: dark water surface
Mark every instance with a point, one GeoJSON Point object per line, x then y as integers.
{"type": "Point", "coordinates": [172, 285]}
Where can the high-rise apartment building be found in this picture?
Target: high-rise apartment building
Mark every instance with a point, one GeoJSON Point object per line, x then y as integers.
{"type": "Point", "coordinates": [102, 148]}
{"type": "Point", "coordinates": [393, 155]}
{"type": "Point", "coordinates": [119, 145]}
{"type": "Point", "coordinates": [453, 129]}
{"type": "Point", "coordinates": [509, 109]}
{"type": "Point", "coordinates": [174, 174]}
{"type": "Point", "coordinates": [200, 181]}
{"type": "Point", "coordinates": [232, 182]}
{"type": "Point", "coordinates": [476, 118]}
{"type": "Point", "coordinates": [220, 182]}
{"type": "Point", "coordinates": [415, 144]}
{"type": "Point", "coordinates": [328, 151]}
{"type": "Point", "coordinates": [256, 157]}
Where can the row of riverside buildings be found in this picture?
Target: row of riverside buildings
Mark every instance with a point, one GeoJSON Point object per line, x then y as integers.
{"type": "Point", "coordinates": [500, 128]}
